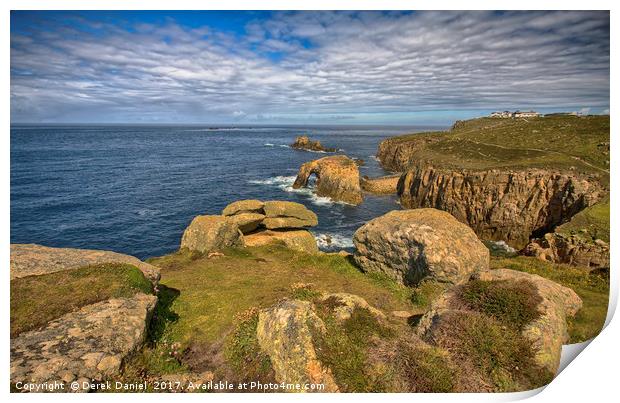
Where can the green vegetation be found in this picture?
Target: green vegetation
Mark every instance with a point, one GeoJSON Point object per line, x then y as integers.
{"type": "Point", "coordinates": [426, 292]}
{"type": "Point", "coordinates": [36, 300]}
{"type": "Point", "coordinates": [589, 224]}
{"type": "Point", "coordinates": [203, 297]}
{"type": "Point", "coordinates": [243, 352]}
{"type": "Point", "coordinates": [593, 290]}
{"type": "Point", "coordinates": [492, 350]}
{"type": "Point", "coordinates": [558, 141]}
{"type": "Point", "coordinates": [425, 370]}
{"type": "Point", "coordinates": [508, 302]}
{"type": "Point", "coordinates": [344, 348]}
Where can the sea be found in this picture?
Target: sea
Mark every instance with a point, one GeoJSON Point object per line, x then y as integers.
{"type": "Point", "coordinates": [134, 188]}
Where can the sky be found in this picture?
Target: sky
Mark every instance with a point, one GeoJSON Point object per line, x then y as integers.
{"type": "Point", "coordinates": [304, 67]}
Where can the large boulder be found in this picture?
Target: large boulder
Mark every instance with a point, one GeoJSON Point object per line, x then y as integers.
{"type": "Point", "coordinates": [285, 214]}
{"type": "Point", "coordinates": [284, 334]}
{"type": "Point", "coordinates": [86, 345]}
{"type": "Point", "coordinates": [243, 206]}
{"type": "Point", "coordinates": [546, 333]}
{"type": "Point", "coordinates": [31, 259]}
{"type": "Point", "coordinates": [300, 240]}
{"type": "Point", "coordinates": [247, 222]}
{"type": "Point", "coordinates": [569, 249]}
{"type": "Point", "coordinates": [209, 233]}
{"type": "Point", "coordinates": [410, 245]}
{"type": "Point", "coordinates": [337, 176]}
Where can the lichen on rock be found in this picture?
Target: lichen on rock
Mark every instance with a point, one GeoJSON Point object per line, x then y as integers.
{"type": "Point", "coordinates": [410, 245]}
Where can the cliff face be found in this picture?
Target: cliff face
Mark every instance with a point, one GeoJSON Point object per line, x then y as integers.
{"type": "Point", "coordinates": [500, 205]}
{"type": "Point", "coordinates": [397, 155]}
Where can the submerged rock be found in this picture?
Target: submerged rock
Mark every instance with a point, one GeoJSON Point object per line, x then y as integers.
{"type": "Point", "coordinates": [32, 259]}
{"type": "Point", "coordinates": [284, 333]}
{"type": "Point", "coordinates": [209, 233]}
{"type": "Point", "coordinates": [300, 240]}
{"type": "Point", "coordinates": [337, 177]}
{"type": "Point", "coordinates": [569, 249]}
{"type": "Point", "coordinates": [88, 344]}
{"type": "Point", "coordinates": [410, 245]}
{"type": "Point", "coordinates": [304, 143]}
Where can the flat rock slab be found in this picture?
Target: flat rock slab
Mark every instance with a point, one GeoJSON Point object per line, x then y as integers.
{"type": "Point", "coordinates": [89, 344]}
{"type": "Point", "coordinates": [32, 259]}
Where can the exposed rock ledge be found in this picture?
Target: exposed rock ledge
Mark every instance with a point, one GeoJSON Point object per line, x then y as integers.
{"type": "Point", "coordinates": [337, 176]}
{"type": "Point", "coordinates": [383, 185]}
{"type": "Point", "coordinates": [304, 143]}
{"type": "Point", "coordinates": [569, 249]}
{"type": "Point", "coordinates": [500, 205]}
{"type": "Point", "coordinates": [32, 259]}
{"type": "Point", "coordinates": [89, 344]}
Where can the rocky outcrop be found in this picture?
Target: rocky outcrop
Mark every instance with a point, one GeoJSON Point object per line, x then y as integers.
{"type": "Point", "coordinates": [273, 222]}
{"type": "Point", "coordinates": [546, 333]}
{"type": "Point", "coordinates": [569, 249]}
{"type": "Point", "coordinates": [500, 205]}
{"type": "Point", "coordinates": [284, 334]}
{"type": "Point", "coordinates": [244, 206]}
{"type": "Point", "coordinates": [549, 331]}
{"type": "Point", "coordinates": [397, 154]}
{"type": "Point", "coordinates": [285, 214]}
{"type": "Point", "coordinates": [247, 222]}
{"type": "Point", "coordinates": [31, 259]}
{"type": "Point", "coordinates": [210, 233]}
{"type": "Point", "coordinates": [343, 304]}
{"type": "Point", "coordinates": [382, 185]}
{"type": "Point", "coordinates": [304, 143]}
{"type": "Point", "coordinates": [86, 345]}
{"type": "Point", "coordinates": [300, 240]}
{"type": "Point", "coordinates": [337, 177]}
{"type": "Point", "coordinates": [410, 245]}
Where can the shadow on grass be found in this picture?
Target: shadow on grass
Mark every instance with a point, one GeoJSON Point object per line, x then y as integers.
{"type": "Point", "coordinates": [163, 314]}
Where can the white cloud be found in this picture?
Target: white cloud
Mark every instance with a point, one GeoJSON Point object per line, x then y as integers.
{"type": "Point", "coordinates": [349, 63]}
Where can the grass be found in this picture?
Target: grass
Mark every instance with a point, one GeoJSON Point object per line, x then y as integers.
{"type": "Point", "coordinates": [494, 350]}
{"type": "Point", "coordinates": [559, 142]}
{"type": "Point", "coordinates": [206, 295]}
{"type": "Point", "coordinates": [425, 370]}
{"type": "Point", "coordinates": [36, 300]}
{"type": "Point", "coordinates": [344, 348]}
{"type": "Point", "coordinates": [590, 224]}
{"type": "Point", "coordinates": [593, 290]}
{"type": "Point", "coordinates": [508, 302]}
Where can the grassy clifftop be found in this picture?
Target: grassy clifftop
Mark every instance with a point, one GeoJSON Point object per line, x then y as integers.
{"type": "Point", "coordinates": [557, 141]}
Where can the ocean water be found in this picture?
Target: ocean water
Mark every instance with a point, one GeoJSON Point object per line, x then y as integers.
{"type": "Point", "coordinates": [134, 189]}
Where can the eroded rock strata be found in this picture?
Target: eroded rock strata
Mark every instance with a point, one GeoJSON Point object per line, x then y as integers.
{"type": "Point", "coordinates": [569, 249]}
{"type": "Point", "coordinates": [500, 205]}
{"type": "Point", "coordinates": [381, 185]}
{"type": "Point", "coordinates": [337, 177]}
{"type": "Point", "coordinates": [32, 259]}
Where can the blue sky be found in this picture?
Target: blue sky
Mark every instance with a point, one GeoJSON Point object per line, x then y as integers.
{"type": "Point", "coordinates": [260, 67]}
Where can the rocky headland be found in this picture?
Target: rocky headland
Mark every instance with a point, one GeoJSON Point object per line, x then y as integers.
{"type": "Point", "coordinates": [306, 144]}
{"type": "Point", "coordinates": [511, 181]}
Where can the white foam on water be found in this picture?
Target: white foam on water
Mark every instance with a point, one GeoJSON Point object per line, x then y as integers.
{"type": "Point", "coordinates": [285, 183]}
{"type": "Point", "coordinates": [269, 145]}
{"type": "Point", "coordinates": [502, 245]}
{"type": "Point", "coordinates": [330, 241]}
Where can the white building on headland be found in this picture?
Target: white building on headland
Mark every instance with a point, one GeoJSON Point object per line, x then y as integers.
{"type": "Point", "coordinates": [517, 114]}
